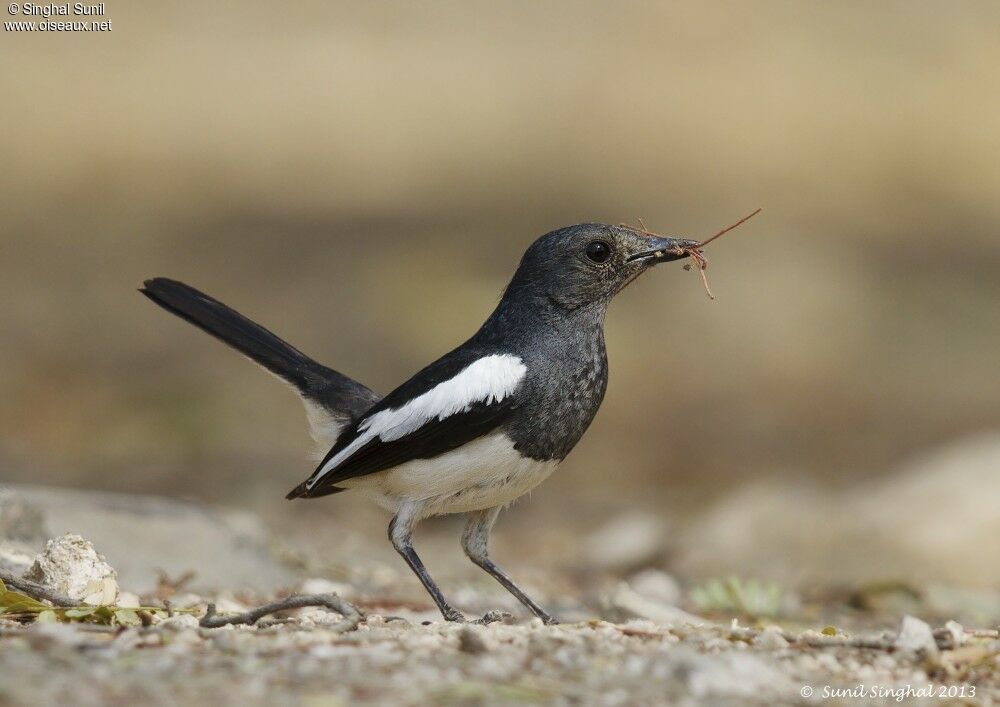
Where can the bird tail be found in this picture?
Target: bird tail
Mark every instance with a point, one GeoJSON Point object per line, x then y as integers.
{"type": "Point", "coordinates": [303, 491]}
{"type": "Point", "coordinates": [331, 398]}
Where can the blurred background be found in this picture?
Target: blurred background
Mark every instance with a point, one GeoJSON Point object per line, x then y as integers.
{"type": "Point", "coordinates": [362, 178]}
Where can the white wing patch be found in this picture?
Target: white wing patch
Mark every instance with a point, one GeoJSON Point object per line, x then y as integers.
{"type": "Point", "coordinates": [487, 380]}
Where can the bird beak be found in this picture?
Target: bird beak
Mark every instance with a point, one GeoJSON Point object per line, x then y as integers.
{"type": "Point", "coordinates": [663, 250]}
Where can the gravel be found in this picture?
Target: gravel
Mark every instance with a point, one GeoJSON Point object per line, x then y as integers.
{"type": "Point", "coordinates": [300, 660]}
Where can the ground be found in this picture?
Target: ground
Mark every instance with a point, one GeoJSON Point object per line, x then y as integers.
{"type": "Point", "coordinates": [631, 635]}
{"type": "Point", "coordinates": [414, 658]}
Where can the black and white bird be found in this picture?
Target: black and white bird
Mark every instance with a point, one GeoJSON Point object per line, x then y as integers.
{"type": "Point", "coordinates": [483, 424]}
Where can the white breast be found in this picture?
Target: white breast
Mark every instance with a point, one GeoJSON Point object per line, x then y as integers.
{"type": "Point", "coordinates": [484, 473]}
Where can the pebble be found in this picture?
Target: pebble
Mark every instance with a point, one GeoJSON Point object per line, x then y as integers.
{"type": "Point", "coordinates": [180, 622]}
{"type": "Point", "coordinates": [771, 639]}
{"type": "Point", "coordinates": [916, 635]}
{"type": "Point", "coordinates": [70, 565]}
{"type": "Point", "coordinates": [470, 640]}
{"type": "Point", "coordinates": [656, 585]}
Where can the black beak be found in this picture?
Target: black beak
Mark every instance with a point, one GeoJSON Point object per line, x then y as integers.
{"type": "Point", "coordinates": [663, 250]}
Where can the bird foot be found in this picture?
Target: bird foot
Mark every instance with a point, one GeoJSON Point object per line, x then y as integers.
{"type": "Point", "coordinates": [451, 614]}
{"type": "Point", "coordinates": [495, 616]}
{"type": "Point", "coordinates": [549, 620]}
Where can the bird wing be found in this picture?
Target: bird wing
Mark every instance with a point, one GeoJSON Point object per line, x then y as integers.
{"type": "Point", "coordinates": [456, 399]}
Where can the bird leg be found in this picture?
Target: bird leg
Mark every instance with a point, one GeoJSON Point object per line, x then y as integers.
{"type": "Point", "coordinates": [475, 539]}
{"type": "Point", "coordinates": [400, 532]}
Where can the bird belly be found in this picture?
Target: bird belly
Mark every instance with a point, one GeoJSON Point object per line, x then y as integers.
{"type": "Point", "coordinates": [484, 473]}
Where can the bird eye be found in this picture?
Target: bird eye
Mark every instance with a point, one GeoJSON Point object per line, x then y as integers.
{"type": "Point", "coordinates": [598, 251]}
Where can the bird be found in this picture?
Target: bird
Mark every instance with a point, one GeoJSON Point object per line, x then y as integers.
{"type": "Point", "coordinates": [483, 424]}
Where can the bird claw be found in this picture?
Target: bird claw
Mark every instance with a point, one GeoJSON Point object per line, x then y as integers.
{"type": "Point", "coordinates": [495, 616]}
{"type": "Point", "coordinates": [454, 615]}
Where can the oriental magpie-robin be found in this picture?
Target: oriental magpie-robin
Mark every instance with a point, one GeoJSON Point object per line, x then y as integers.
{"type": "Point", "coordinates": [481, 425]}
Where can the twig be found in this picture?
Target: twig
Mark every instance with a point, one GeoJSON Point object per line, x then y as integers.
{"type": "Point", "coordinates": [298, 601]}
{"type": "Point", "coordinates": [727, 229]}
{"type": "Point", "coordinates": [36, 591]}
{"type": "Point", "coordinates": [885, 641]}
{"type": "Point", "coordinates": [694, 251]}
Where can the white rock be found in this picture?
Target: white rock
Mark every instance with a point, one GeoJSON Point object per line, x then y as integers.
{"type": "Point", "coordinates": [318, 585]}
{"type": "Point", "coordinates": [915, 635]}
{"type": "Point", "coordinates": [771, 639]}
{"type": "Point", "coordinates": [128, 600]}
{"type": "Point", "coordinates": [656, 585]}
{"type": "Point", "coordinates": [101, 592]}
{"type": "Point", "coordinates": [319, 617]}
{"type": "Point", "coordinates": [634, 605]}
{"type": "Point", "coordinates": [957, 632]}
{"type": "Point", "coordinates": [70, 565]}
{"type": "Point", "coordinates": [180, 622]}
{"type": "Point", "coordinates": [628, 540]}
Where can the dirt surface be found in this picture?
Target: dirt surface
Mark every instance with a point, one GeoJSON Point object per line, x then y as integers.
{"type": "Point", "coordinates": [413, 659]}
{"type": "Point", "coordinates": [632, 633]}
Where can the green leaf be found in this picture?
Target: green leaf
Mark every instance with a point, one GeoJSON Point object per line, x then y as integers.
{"type": "Point", "coordinates": [47, 617]}
{"type": "Point", "coordinates": [105, 614]}
{"type": "Point", "coordinates": [79, 612]}
{"type": "Point", "coordinates": [748, 597]}
{"type": "Point", "coordinates": [127, 617]}
{"type": "Point", "coordinates": [17, 603]}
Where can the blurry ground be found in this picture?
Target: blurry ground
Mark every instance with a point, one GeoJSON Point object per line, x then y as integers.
{"type": "Point", "coordinates": [628, 636]}
{"type": "Point", "coordinates": [362, 177]}
{"type": "Point", "coordinates": [398, 662]}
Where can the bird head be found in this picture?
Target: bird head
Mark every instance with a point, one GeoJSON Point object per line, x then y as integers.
{"type": "Point", "coordinates": [590, 263]}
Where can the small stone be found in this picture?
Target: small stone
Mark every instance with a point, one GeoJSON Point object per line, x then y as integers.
{"type": "Point", "coordinates": [657, 586]}
{"type": "Point", "coordinates": [318, 585]}
{"type": "Point", "coordinates": [180, 622]}
{"type": "Point", "coordinates": [128, 600]}
{"type": "Point", "coordinates": [70, 565]}
{"type": "Point", "coordinates": [101, 592]}
{"type": "Point", "coordinates": [627, 541]}
{"type": "Point", "coordinates": [957, 633]}
{"type": "Point", "coordinates": [915, 635]}
{"type": "Point", "coordinates": [771, 639]}
{"type": "Point", "coordinates": [470, 640]}
{"type": "Point", "coordinates": [629, 604]}
{"type": "Point", "coordinates": [319, 616]}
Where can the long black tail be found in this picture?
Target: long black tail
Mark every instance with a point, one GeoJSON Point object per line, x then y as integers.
{"type": "Point", "coordinates": [341, 396]}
